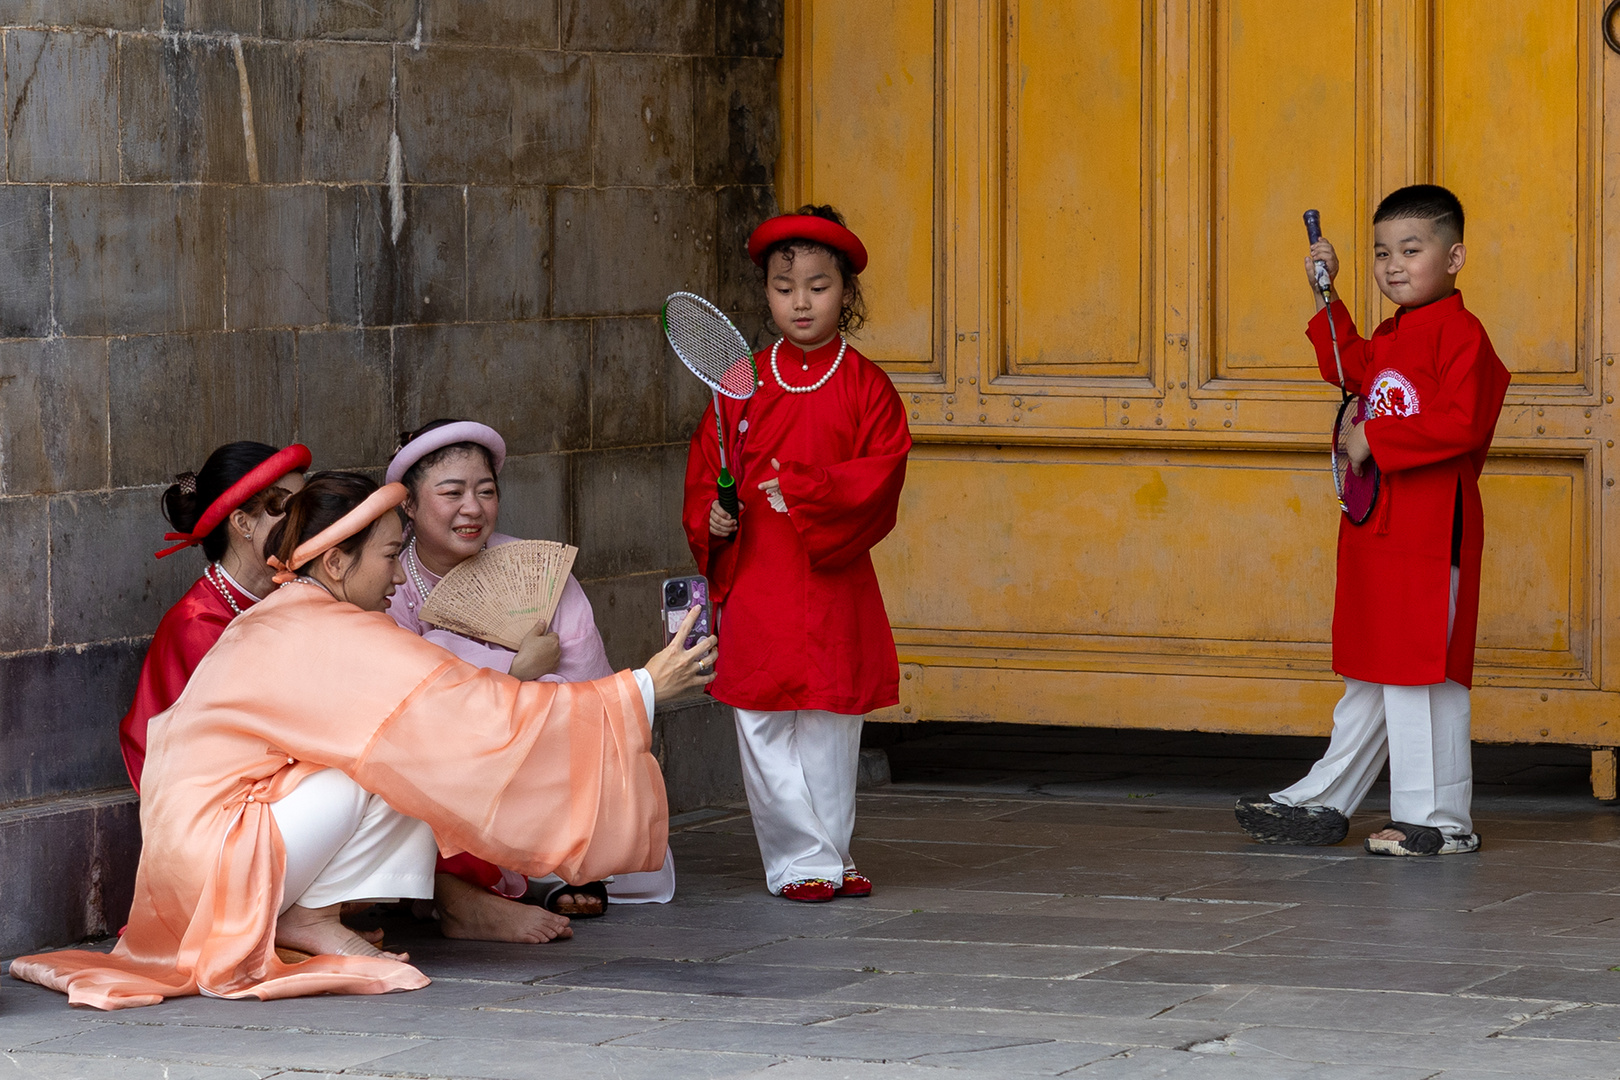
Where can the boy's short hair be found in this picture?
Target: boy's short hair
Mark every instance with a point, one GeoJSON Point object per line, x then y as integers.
{"type": "Point", "coordinates": [1426, 202]}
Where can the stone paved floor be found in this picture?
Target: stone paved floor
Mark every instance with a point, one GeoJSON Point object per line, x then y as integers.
{"type": "Point", "coordinates": [1047, 905]}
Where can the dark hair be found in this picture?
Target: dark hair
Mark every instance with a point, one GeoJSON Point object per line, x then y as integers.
{"type": "Point", "coordinates": [191, 494]}
{"type": "Point", "coordinates": [853, 316]}
{"type": "Point", "coordinates": [1426, 202]}
{"type": "Point", "coordinates": [417, 473]}
{"type": "Point", "coordinates": [323, 499]}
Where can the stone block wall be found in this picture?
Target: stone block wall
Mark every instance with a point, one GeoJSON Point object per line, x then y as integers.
{"type": "Point", "coordinates": [328, 221]}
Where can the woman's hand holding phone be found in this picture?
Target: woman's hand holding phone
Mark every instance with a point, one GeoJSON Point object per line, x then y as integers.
{"type": "Point", "coordinates": [676, 670]}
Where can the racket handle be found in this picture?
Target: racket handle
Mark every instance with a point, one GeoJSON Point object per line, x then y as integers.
{"type": "Point", "coordinates": [728, 492]}
{"type": "Point", "coordinates": [1313, 225]}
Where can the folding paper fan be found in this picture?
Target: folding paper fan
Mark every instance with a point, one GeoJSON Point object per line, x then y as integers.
{"type": "Point", "coordinates": [500, 594]}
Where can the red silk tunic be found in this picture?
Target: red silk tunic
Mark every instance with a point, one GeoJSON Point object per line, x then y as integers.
{"type": "Point", "coordinates": [801, 620]}
{"type": "Point", "coordinates": [188, 630]}
{"type": "Point", "coordinates": [1434, 389]}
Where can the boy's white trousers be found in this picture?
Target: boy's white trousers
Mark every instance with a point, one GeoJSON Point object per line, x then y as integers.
{"type": "Point", "coordinates": [344, 843]}
{"type": "Point", "coordinates": [1423, 731]}
{"type": "Point", "coordinates": [799, 769]}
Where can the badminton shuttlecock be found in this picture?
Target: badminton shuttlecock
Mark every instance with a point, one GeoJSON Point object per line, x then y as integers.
{"type": "Point", "coordinates": [501, 594]}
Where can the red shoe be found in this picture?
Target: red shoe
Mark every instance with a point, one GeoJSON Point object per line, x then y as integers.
{"type": "Point", "coordinates": [810, 891]}
{"type": "Point", "coordinates": [855, 884]}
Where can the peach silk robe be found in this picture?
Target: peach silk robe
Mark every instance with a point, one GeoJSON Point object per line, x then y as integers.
{"type": "Point", "coordinates": [302, 682]}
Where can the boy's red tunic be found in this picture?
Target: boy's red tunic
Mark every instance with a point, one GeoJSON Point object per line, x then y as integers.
{"type": "Point", "coordinates": [802, 622]}
{"type": "Point", "coordinates": [187, 632]}
{"type": "Point", "coordinates": [1434, 389]}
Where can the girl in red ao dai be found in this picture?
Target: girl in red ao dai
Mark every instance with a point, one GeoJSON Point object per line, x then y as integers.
{"type": "Point", "coordinates": [819, 454]}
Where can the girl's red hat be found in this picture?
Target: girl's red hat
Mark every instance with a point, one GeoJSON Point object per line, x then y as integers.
{"type": "Point", "coordinates": [806, 227]}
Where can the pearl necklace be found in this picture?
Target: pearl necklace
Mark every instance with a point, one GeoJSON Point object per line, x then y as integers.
{"type": "Point", "coordinates": [411, 564]}
{"type": "Point", "coordinates": [219, 586]}
{"type": "Point", "coordinates": [843, 344]}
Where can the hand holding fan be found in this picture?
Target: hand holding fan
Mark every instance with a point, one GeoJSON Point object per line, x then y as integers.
{"type": "Point", "coordinates": [1357, 491]}
{"type": "Point", "coordinates": [501, 594]}
{"type": "Point", "coordinates": [712, 349]}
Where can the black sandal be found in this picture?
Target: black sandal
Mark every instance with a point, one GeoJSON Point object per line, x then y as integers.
{"type": "Point", "coordinates": [1423, 840]}
{"type": "Point", "coordinates": [1271, 822]}
{"type": "Point", "coordinates": [553, 904]}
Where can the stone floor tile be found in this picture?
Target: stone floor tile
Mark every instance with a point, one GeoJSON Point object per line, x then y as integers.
{"type": "Point", "coordinates": [1159, 908]}
{"type": "Point", "coordinates": [1347, 974]}
{"type": "Point", "coordinates": [1032, 1059]}
{"type": "Point", "coordinates": [1116, 1031]}
{"type": "Point", "coordinates": [223, 1046]}
{"type": "Point", "coordinates": [812, 1069]}
{"type": "Point", "coordinates": [784, 1040]}
{"type": "Point", "coordinates": [908, 899]}
{"type": "Point", "coordinates": [1066, 930]}
{"type": "Point", "coordinates": [1591, 1023]}
{"type": "Point", "coordinates": [727, 979]}
{"type": "Point", "coordinates": [1156, 1064]}
{"type": "Point", "coordinates": [1368, 1011]}
{"type": "Point", "coordinates": [454, 1059]}
{"type": "Point", "coordinates": [74, 1067]}
{"type": "Point", "coordinates": [662, 1006]}
{"type": "Point", "coordinates": [1028, 961]}
{"type": "Point", "coordinates": [1554, 984]}
{"type": "Point", "coordinates": [1081, 997]}
{"type": "Point", "coordinates": [761, 913]}
{"type": "Point", "coordinates": [1565, 1060]}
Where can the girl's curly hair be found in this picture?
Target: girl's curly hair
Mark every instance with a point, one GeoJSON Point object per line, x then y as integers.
{"type": "Point", "coordinates": [853, 315]}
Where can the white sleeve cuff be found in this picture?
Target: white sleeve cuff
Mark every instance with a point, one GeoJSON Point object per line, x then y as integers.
{"type": "Point", "coordinates": [644, 681]}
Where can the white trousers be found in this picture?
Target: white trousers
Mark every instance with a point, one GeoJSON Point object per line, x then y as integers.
{"type": "Point", "coordinates": [344, 843]}
{"type": "Point", "coordinates": [799, 769]}
{"type": "Point", "coordinates": [1423, 731]}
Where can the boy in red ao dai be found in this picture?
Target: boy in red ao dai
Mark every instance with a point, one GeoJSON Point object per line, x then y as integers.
{"type": "Point", "coordinates": [819, 453]}
{"type": "Point", "coordinates": [1408, 579]}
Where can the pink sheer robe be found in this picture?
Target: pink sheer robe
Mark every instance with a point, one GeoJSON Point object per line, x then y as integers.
{"type": "Point", "coordinates": [302, 682]}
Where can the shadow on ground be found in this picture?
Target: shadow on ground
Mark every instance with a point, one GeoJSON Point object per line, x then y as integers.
{"type": "Point", "coordinates": [1048, 903]}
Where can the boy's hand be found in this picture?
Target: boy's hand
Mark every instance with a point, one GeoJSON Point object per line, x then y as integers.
{"type": "Point", "coordinates": [721, 524]}
{"type": "Point", "coordinates": [1359, 449]}
{"type": "Point", "coordinates": [1321, 252]}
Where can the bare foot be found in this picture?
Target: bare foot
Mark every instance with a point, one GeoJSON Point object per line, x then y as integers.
{"type": "Point", "coordinates": [320, 932]}
{"type": "Point", "coordinates": [466, 911]}
{"type": "Point", "coordinates": [1388, 834]}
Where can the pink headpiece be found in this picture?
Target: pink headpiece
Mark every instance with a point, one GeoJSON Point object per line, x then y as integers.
{"type": "Point", "coordinates": [441, 437]}
{"type": "Point", "coordinates": [376, 504]}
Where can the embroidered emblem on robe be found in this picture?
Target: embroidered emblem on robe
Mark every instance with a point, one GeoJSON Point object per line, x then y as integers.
{"type": "Point", "coordinates": [1392, 395]}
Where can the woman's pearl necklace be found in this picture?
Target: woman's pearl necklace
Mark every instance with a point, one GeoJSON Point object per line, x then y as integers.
{"type": "Point", "coordinates": [213, 569]}
{"type": "Point", "coordinates": [411, 564]}
{"type": "Point", "coordinates": [843, 344]}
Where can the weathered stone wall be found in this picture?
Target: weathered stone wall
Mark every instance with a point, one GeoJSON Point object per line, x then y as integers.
{"type": "Point", "coordinates": [328, 221]}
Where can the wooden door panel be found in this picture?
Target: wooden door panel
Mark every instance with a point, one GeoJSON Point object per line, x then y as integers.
{"type": "Point", "coordinates": [1115, 544]}
{"type": "Point", "coordinates": [1509, 104]}
{"type": "Point", "coordinates": [1289, 136]}
{"type": "Point", "coordinates": [1534, 583]}
{"type": "Point", "coordinates": [1078, 135]}
{"type": "Point", "coordinates": [873, 111]}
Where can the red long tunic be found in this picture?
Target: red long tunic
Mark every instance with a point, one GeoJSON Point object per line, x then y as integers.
{"type": "Point", "coordinates": [801, 619]}
{"type": "Point", "coordinates": [188, 630]}
{"type": "Point", "coordinates": [1434, 389]}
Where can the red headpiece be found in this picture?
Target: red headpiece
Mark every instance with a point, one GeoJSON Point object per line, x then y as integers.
{"type": "Point", "coordinates": [295, 458]}
{"type": "Point", "coordinates": [806, 227]}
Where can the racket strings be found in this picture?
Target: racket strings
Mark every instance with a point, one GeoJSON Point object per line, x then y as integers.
{"type": "Point", "coordinates": [710, 346]}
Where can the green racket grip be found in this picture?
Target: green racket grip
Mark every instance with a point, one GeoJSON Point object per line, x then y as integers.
{"type": "Point", "coordinates": [728, 492]}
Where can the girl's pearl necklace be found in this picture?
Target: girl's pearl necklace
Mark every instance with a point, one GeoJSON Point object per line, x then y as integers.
{"type": "Point", "coordinates": [843, 344]}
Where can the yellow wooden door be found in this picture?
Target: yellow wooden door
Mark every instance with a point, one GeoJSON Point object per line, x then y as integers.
{"type": "Point", "coordinates": [1087, 283]}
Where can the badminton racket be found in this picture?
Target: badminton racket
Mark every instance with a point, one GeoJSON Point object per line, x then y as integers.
{"type": "Point", "coordinates": [1357, 493]}
{"type": "Point", "coordinates": [712, 349]}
